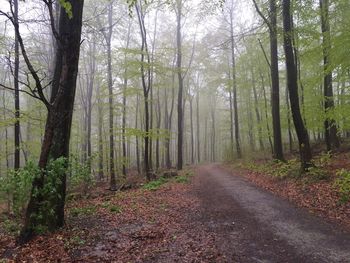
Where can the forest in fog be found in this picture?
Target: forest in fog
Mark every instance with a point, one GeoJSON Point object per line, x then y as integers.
{"type": "Point", "coordinates": [95, 91]}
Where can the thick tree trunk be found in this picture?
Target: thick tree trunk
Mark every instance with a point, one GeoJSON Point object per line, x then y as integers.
{"type": "Point", "coordinates": [332, 140]}
{"type": "Point", "coordinates": [40, 211]}
{"type": "Point", "coordinates": [292, 82]}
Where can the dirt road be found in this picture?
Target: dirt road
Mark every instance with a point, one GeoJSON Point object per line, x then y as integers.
{"type": "Point", "coordinates": [253, 225]}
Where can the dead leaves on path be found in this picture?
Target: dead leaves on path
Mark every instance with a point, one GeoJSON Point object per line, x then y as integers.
{"type": "Point", "coordinates": [132, 226]}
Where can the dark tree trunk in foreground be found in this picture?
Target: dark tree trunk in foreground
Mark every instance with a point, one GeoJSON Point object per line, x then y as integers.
{"type": "Point", "coordinates": [292, 82]}
{"type": "Point", "coordinates": [331, 137]}
{"type": "Point", "coordinates": [17, 103]}
{"type": "Point", "coordinates": [41, 212]}
{"type": "Point", "coordinates": [180, 92]}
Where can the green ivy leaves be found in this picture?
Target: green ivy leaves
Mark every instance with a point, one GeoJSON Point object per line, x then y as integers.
{"type": "Point", "coordinates": [67, 6]}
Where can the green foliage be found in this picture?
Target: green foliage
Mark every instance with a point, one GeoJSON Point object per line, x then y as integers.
{"type": "Point", "coordinates": [115, 209]}
{"type": "Point", "coordinates": [80, 173]}
{"type": "Point", "coordinates": [87, 210]}
{"type": "Point", "coordinates": [10, 226]}
{"type": "Point", "coordinates": [16, 186]}
{"type": "Point", "coordinates": [182, 179]}
{"type": "Point", "coordinates": [74, 241]}
{"type": "Point", "coordinates": [67, 6]}
{"type": "Point", "coordinates": [155, 185]}
{"type": "Point", "coordinates": [50, 193]}
{"type": "Point", "coordinates": [343, 185]}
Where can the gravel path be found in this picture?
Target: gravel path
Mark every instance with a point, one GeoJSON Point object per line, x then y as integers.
{"type": "Point", "coordinates": [253, 225]}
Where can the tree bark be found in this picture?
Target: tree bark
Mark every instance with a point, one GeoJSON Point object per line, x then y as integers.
{"type": "Point", "coordinates": [198, 130]}
{"type": "Point", "coordinates": [234, 90]}
{"type": "Point", "coordinates": [180, 115]}
{"type": "Point", "coordinates": [275, 99]}
{"type": "Point", "coordinates": [42, 212]}
{"type": "Point", "coordinates": [292, 82]}
{"type": "Point", "coordinates": [17, 100]}
{"type": "Point", "coordinates": [331, 137]}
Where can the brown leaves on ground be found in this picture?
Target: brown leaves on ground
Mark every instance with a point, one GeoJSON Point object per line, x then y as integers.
{"type": "Point", "coordinates": [133, 226]}
{"type": "Point", "coordinates": [319, 197]}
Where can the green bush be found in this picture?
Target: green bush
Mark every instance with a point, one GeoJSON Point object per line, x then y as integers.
{"type": "Point", "coordinates": [15, 187]}
{"type": "Point", "coordinates": [343, 185]}
{"type": "Point", "coordinates": [156, 184]}
{"type": "Point", "coordinates": [182, 179]}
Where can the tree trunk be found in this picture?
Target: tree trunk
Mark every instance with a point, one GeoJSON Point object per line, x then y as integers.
{"type": "Point", "coordinates": [234, 90]}
{"type": "Point", "coordinates": [192, 132]}
{"type": "Point", "coordinates": [17, 102]}
{"type": "Point", "coordinates": [257, 113]}
{"type": "Point", "coordinates": [125, 86]}
{"type": "Point", "coordinates": [180, 115]}
{"type": "Point", "coordinates": [108, 37]}
{"type": "Point", "coordinates": [198, 130]}
{"type": "Point", "coordinates": [331, 137]}
{"type": "Point", "coordinates": [275, 100]}
{"type": "Point", "coordinates": [292, 82]}
{"type": "Point", "coordinates": [100, 135]}
{"type": "Point", "coordinates": [42, 212]}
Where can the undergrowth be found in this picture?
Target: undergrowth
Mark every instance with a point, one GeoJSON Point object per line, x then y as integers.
{"type": "Point", "coordinates": [342, 184]}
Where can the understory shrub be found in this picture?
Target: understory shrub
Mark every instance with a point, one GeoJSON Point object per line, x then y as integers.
{"type": "Point", "coordinates": [342, 184]}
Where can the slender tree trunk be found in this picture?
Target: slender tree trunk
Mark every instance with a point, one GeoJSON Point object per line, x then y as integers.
{"type": "Point", "coordinates": [198, 130]}
{"type": "Point", "coordinates": [257, 113]}
{"type": "Point", "coordinates": [292, 82]}
{"type": "Point", "coordinates": [180, 115]}
{"type": "Point", "coordinates": [137, 137]}
{"type": "Point", "coordinates": [108, 37]}
{"type": "Point", "coordinates": [146, 85]}
{"type": "Point", "coordinates": [192, 132]}
{"type": "Point", "coordinates": [290, 136]}
{"type": "Point", "coordinates": [159, 118]}
{"type": "Point", "coordinates": [275, 100]}
{"type": "Point", "coordinates": [125, 86]}
{"type": "Point", "coordinates": [332, 140]}
{"type": "Point", "coordinates": [17, 101]}
{"type": "Point", "coordinates": [231, 117]}
{"type": "Point", "coordinates": [266, 113]}
{"type": "Point", "coordinates": [234, 87]}
{"type": "Point", "coordinates": [100, 135]}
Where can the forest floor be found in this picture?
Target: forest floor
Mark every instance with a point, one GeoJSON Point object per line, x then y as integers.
{"type": "Point", "coordinates": [217, 215]}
